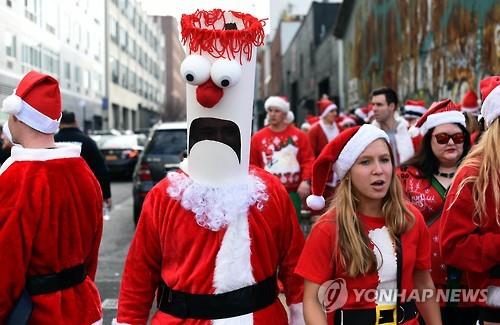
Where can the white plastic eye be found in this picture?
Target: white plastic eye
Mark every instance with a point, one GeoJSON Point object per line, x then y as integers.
{"type": "Point", "coordinates": [225, 73]}
{"type": "Point", "coordinates": [195, 69]}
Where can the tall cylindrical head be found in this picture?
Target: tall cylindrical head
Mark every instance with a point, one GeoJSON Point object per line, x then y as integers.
{"type": "Point", "coordinates": [220, 74]}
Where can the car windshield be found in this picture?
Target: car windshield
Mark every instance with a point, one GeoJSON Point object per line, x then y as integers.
{"type": "Point", "coordinates": [168, 142]}
{"type": "Point", "coordinates": [123, 141]}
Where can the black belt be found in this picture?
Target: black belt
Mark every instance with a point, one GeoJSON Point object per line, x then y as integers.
{"type": "Point", "coordinates": [405, 312]}
{"type": "Point", "coordinates": [217, 306]}
{"type": "Point", "coordinates": [41, 284]}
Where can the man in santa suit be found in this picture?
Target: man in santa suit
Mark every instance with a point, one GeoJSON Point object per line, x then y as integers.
{"type": "Point", "coordinates": [326, 128]}
{"type": "Point", "coordinates": [50, 216]}
{"type": "Point", "coordinates": [214, 237]}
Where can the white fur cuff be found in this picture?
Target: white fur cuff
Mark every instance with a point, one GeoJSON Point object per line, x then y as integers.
{"type": "Point", "coordinates": [491, 106]}
{"type": "Point", "coordinates": [297, 314]}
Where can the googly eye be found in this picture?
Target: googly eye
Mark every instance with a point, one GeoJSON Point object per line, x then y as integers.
{"type": "Point", "coordinates": [195, 69]}
{"type": "Point", "coordinates": [225, 73]}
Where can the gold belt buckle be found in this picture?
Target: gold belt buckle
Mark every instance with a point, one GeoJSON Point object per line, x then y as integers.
{"type": "Point", "coordinates": [380, 308]}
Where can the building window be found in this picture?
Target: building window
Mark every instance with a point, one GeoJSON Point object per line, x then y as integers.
{"type": "Point", "coordinates": [78, 78]}
{"type": "Point", "coordinates": [50, 61]}
{"type": "Point", "coordinates": [114, 28]}
{"type": "Point", "coordinates": [30, 10]}
{"type": "Point", "coordinates": [50, 11]}
{"type": "Point", "coordinates": [115, 70]}
{"type": "Point", "coordinates": [10, 45]}
{"type": "Point", "coordinates": [67, 71]}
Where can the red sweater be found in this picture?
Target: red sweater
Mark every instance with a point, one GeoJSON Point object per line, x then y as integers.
{"type": "Point", "coordinates": [474, 249]}
{"type": "Point", "coordinates": [286, 154]}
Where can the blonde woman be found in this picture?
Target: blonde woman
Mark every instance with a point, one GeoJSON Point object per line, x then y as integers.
{"type": "Point", "coordinates": [470, 224]}
{"type": "Point", "coordinates": [370, 244]}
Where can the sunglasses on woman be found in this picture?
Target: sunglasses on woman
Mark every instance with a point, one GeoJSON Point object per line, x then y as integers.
{"type": "Point", "coordinates": [444, 138]}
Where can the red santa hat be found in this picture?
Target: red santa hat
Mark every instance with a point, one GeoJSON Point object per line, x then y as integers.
{"type": "Point", "coordinates": [342, 153]}
{"type": "Point", "coordinates": [470, 103]}
{"type": "Point", "coordinates": [36, 102]}
{"type": "Point", "coordinates": [490, 91]}
{"type": "Point", "coordinates": [346, 121]}
{"type": "Point", "coordinates": [281, 103]}
{"type": "Point", "coordinates": [325, 106]}
{"type": "Point", "coordinates": [442, 112]}
{"type": "Point", "coordinates": [364, 113]}
{"type": "Point", "coordinates": [414, 108]}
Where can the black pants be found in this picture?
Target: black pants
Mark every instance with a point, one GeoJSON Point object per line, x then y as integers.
{"type": "Point", "coordinates": [457, 316]}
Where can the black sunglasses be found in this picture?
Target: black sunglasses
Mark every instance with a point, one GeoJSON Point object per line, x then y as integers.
{"type": "Point", "coordinates": [444, 138]}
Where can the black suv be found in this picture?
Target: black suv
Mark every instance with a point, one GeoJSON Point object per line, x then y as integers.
{"type": "Point", "coordinates": [163, 152]}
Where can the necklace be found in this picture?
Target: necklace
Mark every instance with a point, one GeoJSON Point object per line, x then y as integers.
{"type": "Point", "coordinates": [445, 175]}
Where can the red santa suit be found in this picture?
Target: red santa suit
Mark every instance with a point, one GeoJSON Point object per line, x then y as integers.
{"type": "Point", "coordinates": [286, 154]}
{"type": "Point", "coordinates": [173, 243]}
{"type": "Point", "coordinates": [318, 262]}
{"type": "Point", "coordinates": [50, 220]}
{"type": "Point", "coordinates": [425, 196]}
{"type": "Point", "coordinates": [466, 245]}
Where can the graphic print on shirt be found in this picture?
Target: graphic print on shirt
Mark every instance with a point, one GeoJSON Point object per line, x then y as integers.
{"type": "Point", "coordinates": [383, 248]}
{"type": "Point", "coordinates": [280, 158]}
{"type": "Point", "coordinates": [421, 196]}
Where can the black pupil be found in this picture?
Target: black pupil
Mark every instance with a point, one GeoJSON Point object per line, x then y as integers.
{"type": "Point", "coordinates": [225, 83]}
{"type": "Point", "coordinates": [189, 77]}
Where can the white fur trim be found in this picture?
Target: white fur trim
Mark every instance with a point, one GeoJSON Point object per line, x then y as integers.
{"type": "Point", "coordinates": [37, 120]}
{"type": "Point", "coordinates": [355, 146]}
{"type": "Point", "coordinates": [493, 298]}
{"type": "Point", "coordinates": [328, 109]}
{"type": "Point", "coordinates": [277, 102]}
{"type": "Point", "coordinates": [12, 104]}
{"type": "Point", "coordinates": [413, 131]}
{"type": "Point", "coordinates": [471, 109]}
{"type": "Point", "coordinates": [416, 109]}
{"type": "Point", "coordinates": [62, 150]}
{"type": "Point", "coordinates": [99, 322]}
{"type": "Point", "coordinates": [216, 207]}
{"type": "Point", "coordinates": [297, 314]}
{"type": "Point", "coordinates": [491, 106]}
{"type": "Point", "coordinates": [233, 268]}
{"type": "Point", "coordinates": [330, 131]}
{"type": "Point", "coordinates": [315, 202]}
{"type": "Point", "coordinates": [115, 322]}
{"type": "Point", "coordinates": [447, 117]}
{"type": "Point", "coordinates": [383, 248]}
{"type": "Point", "coordinates": [290, 117]}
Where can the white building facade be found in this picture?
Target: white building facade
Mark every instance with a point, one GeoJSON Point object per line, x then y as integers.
{"type": "Point", "coordinates": [135, 67]}
{"type": "Point", "coordinates": [63, 38]}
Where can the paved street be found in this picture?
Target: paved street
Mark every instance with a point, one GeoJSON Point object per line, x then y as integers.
{"type": "Point", "coordinates": [118, 232]}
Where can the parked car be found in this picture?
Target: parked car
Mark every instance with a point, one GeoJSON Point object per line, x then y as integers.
{"type": "Point", "coordinates": [121, 152]}
{"type": "Point", "coordinates": [163, 152]}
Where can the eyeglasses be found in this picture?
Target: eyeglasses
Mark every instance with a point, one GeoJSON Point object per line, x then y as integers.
{"type": "Point", "coordinates": [444, 138]}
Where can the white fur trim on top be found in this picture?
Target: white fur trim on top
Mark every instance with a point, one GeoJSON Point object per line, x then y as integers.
{"type": "Point", "coordinates": [366, 134]}
{"type": "Point", "coordinates": [471, 109]}
{"type": "Point", "coordinates": [277, 102]}
{"type": "Point", "coordinates": [297, 314]}
{"type": "Point", "coordinates": [328, 109]}
{"type": "Point", "coordinates": [62, 150]}
{"type": "Point", "coordinates": [290, 117]}
{"type": "Point", "coordinates": [233, 268]}
{"type": "Point", "coordinates": [12, 104]}
{"type": "Point", "coordinates": [491, 106]}
{"type": "Point", "coordinates": [447, 117]}
{"type": "Point", "coordinates": [383, 248]}
{"type": "Point", "coordinates": [315, 202]}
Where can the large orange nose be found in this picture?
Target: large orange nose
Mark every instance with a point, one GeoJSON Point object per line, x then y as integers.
{"type": "Point", "coordinates": [209, 94]}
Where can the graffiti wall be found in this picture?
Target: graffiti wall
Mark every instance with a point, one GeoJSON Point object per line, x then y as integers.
{"type": "Point", "coordinates": [427, 49]}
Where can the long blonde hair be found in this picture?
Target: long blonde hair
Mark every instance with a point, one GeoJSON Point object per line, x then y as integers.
{"type": "Point", "coordinates": [484, 156]}
{"type": "Point", "coordinates": [352, 244]}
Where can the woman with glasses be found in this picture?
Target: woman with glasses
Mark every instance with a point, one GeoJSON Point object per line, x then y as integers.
{"type": "Point", "coordinates": [426, 179]}
{"type": "Point", "coordinates": [470, 225]}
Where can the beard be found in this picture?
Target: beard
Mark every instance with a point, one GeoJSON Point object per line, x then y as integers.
{"type": "Point", "coordinates": [216, 207]}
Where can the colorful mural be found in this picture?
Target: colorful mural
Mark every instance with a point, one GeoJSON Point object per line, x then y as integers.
{"type": "Point", "coordinates": [428, 49]}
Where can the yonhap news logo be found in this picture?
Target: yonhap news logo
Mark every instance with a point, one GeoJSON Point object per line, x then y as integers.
{"type": "Point", "coordinates": [333, 294]}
